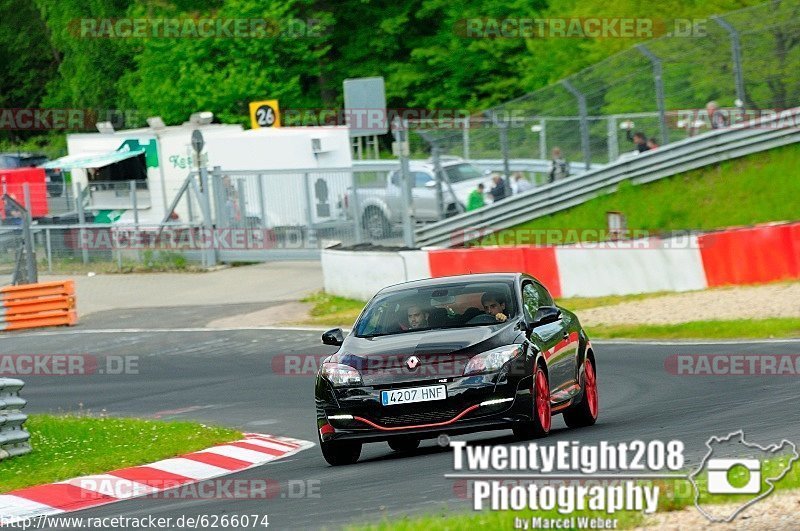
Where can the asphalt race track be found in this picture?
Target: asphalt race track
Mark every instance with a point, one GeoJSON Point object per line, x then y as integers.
{"type": "Point", "coordinates": [226, 377]}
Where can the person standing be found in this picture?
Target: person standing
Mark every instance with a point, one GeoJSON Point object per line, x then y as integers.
{"type": "Point", "coordinates": [475, 199]}
{"type": "Point", "coordinates": [521, 184]}
{"type": "Point", "coordinates": [715, 116]}
{"type": "Point", "coordinates": [499, 190]}
{"type": "Point", "coordinates": [559, 167]}
{"type": "Point", "coordinates": [639, 140]}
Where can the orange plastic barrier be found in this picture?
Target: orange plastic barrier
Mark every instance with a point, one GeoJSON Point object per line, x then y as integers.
{"type": "Point", "coordinates": [537, 261]}
{"type": "Point", "coordinates": [752, 255]}
{"type": "Point", "coordinates": [37, 305]}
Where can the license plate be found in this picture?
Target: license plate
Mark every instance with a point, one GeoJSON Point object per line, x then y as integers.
{"type": "Point", "coordinates": [413, 394]}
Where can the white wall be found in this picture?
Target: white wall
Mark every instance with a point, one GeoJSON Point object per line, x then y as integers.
{"type": "Point", "coordinates": [672, 265]}
{"type": "Point", "coordinates": [644, 266]}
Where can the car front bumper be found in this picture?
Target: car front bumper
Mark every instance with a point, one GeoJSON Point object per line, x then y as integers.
{"type": "Point", "coordinates": [473, 403]}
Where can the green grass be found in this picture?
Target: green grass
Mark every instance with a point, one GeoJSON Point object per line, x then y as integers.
{"type": "Point", "coordinates": [164, 262]}
{"type": "Point", "coordinates": [576, 304]}
{"type": "Point", "coordinates": [487, 520]}
{"type": "Point", "coordinates": [332, 310]}
{"type": "Point", "coordinates": [69, 446]}
{"type": "Point", "coordinates": [745, 191]}
{"type": "Point", "coordinates": [787, 327]}
{"type": "Point", "coordinates": [674, 495]}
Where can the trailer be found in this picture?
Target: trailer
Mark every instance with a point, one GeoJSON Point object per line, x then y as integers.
{"type": "Point", "coordinates": [276, 166]}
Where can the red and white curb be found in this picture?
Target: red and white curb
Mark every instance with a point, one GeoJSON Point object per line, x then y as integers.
{"type": "Point", "coordinates": [101, 489]}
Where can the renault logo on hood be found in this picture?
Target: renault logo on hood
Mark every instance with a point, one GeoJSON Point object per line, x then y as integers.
{"type": "Point", "coordinates": [412, 363]}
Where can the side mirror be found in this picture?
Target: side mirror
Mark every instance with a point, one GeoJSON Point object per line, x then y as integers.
{"type": "Point", "coordinates": [430, 184]}
{"type": "Point", "coordinates": [333, 337]}
{"type": "Point", "coordinates": [546, 315]}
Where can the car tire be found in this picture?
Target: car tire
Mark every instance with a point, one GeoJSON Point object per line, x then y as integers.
{"type": "Point", "coordinates": [585, 412]}
{"type": "Point", "coordinates": [338, 453]}
{"type": "Point", "coordinates": [541, 415]}
{"type": "Point", "coordinates": [375, 223]}
{"type": "Point", "coordinates": [403, 444]}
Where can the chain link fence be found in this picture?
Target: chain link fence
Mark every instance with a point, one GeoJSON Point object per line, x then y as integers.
{"type": "Point", "coordinates": [216, 216]}
{"type": "Point", "coordinates": [747, 61]}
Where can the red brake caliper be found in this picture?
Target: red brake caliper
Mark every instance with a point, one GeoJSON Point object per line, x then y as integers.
{"type": "Point", "coordinates": [590, 383]}
{"type": "Point", "coordinates": [543, 400]}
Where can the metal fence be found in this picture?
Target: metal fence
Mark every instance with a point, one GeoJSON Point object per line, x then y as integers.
{"type": "Point", "coordinates": [14, 440]}
{"type": "Point", "coordinates": [746, 60]}
{"type": "Point", "coordinates": [677, 158]}
{"type": "Point", "coordinates": [215, 216]}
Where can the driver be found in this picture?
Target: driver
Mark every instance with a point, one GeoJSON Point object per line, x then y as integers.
{"type": "Point", "coordinates": [494, 304]}
{"type": "Point", "coordinates": [418, 316]}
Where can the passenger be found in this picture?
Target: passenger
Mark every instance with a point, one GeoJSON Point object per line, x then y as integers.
{"type": "Point", "coordinates": [494, 304]}
{"type": "Point", "coordinates": [418, 317]}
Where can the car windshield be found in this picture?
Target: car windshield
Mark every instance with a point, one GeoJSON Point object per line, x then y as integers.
{"type": "Point", "coordinates": [462, 172]}
{"type": "Point", "coordinates": [451, 305]}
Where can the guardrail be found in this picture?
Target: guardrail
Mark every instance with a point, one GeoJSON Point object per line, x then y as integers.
{"type": "Point", "coordinates": [37, 305]}
{"type": "Point", "coordinates": [14, 440]}
{"type": "Point", "coordinates": [529, 165]}
{"type": "Point", "coordinates": [675, 158]}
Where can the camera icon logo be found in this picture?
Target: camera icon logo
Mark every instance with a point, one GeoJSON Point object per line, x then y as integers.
{"type": "Point", "coordinates": [734, 476]}
{"type": "Point", "coordinates": [734, 466]}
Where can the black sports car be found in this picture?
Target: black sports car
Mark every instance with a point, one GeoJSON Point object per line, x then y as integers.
{"type": "Point", "coordinates": [454, 355]}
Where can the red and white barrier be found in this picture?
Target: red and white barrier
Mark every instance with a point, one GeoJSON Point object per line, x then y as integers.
{"type": "Point", "coordinates": [752, 255]}
{"type": "Point", "coordinates": [657, 265]}
{"type": "Point", "coordinates": [361, 274]}
{"type": "Point", "coordinates": [101, 489]}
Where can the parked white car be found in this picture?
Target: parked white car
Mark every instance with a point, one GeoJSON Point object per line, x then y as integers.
{"type": "Point", "coordinates": [381, 208]}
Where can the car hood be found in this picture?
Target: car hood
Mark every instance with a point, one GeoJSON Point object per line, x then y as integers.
{"type": "Point", "coordinates": [442, 353]}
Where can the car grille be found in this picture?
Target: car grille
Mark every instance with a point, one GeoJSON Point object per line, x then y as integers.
{"type": "Point", "coordinates": [419, 417]}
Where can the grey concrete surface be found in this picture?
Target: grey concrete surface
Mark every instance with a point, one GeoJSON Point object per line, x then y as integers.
{"type": "Point", "coordinates": [227, 377]}
{"type": "Point", "coordinates": [261, 283]}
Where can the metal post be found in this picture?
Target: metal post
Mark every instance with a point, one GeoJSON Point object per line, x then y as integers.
{"type": "Point", "coordinates": [613, 140]}
{"type": "Point", "coordinates": [585, 146]}
{"type": "Point", "coordinates": [543, 140]}
{"type": "Point", "coordinates": [262, 208]}
{"type": "Point", "coordinates": [355, 206]}
{"type": "Point", "coordinates": [437, 174]}
{"type": "Point", "coordinates": [208, 221]}
{"type": "Point", "coordinates": [465, 138]}
{"type": "Point", "coordinates": [503, 125]}
{"type": "Point", "coordinates": [221, 211]}
{"type": "Point", "coordinates": [401, 137]}
{"type": "Point", "coordinates": [658, 79]}
{"type": "Point", "coordinates": [736, 53]}
{"type": "Point", "coordinates": [189, 208]}
{"type": "Point", "coordinates": [312, 236]}
{"type": "Point", "coordinates": [82, 221]}
{"type": "Point", "coordinates": [135, 205]}
{"type": "Point", "coordinates": [49, 250]}
{"type": "Point", "coordinates": [30, 256]}
{"type": "Point", "coordinates": [242, 198]}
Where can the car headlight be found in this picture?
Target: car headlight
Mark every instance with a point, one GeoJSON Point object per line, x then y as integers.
{"type": "Point", "coordinates": [492, 360]}
{"type": "Point", "coordinates": [340, 374]}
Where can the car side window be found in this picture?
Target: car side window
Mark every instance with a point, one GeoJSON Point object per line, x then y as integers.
{"type": "Point", "coordinates": [545, 299]}
{"type": "Point", "coordinates": [530, 300]}
{"type": "Point", "coordinates": [421, 179]}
